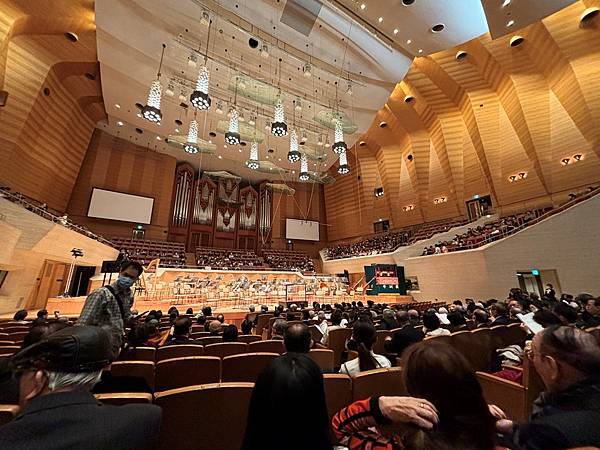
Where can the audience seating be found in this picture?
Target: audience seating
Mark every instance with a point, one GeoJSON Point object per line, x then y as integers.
{"type": "Point", "coordinates": [124, 398]}
{"type": "Point", "coordinates": [209, 340]}
{"type": "Point", "coordinates": [16, 329]}
{"type": "Point", "coordinates": [245, 367]}
{"type": "Point", "coordinates": [9, 349]}
{"type": "Point", "coordinates": [337, 343]}
{"type": "Point", "coordinates": [219, 410]}
{"type": "Point", "coordinates": [268, 346]}
{"type": "Point", "coordinates": [248, 338]}
{"type": "Point", "coordinates": [223, 349]}
{"type": "Point", "coordinates": [178, 351]}
{"type": "Point", "coordinates": [188, 371]}
{"type": "Point", "coordinates": [386, 381]}
{"type": "Point", "coordinates": [515, 399]}
{"type": "Point", "coordinates": [17, 336]}
{"type": "Point", "coordinates": [144, 369]}
{"type": "Point", "coordinates": [139, 354]}
{"type": "Point", "coordinates": [288, 260]}
{"type": "Point", "coordinates": [8, 413]}
{"type": "Point", "coordinates": [338, 394]}
{"type": "Point", "coordinates": [505, 335]}
{"type": "Point", "coordinates": [171, 254]}
{"type": "Point", "coordinates": [323, 357]}
{"type": "Point", "coordinates": [262, 322]}
{"type": "Point", "coordinates": [378, 347]}
{"type": "Point", "coordinates": [199, 334]}
{"type": "Point", "coordinates": [227, 258]}
{"type": "Point", "coordinates": [6, 343]}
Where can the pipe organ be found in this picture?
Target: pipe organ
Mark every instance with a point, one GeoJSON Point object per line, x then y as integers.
{"type": "Point", "coordinates": [217, 209]}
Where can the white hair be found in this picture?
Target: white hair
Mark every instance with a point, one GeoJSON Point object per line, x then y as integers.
{"type": "Point", "coordinates": [86, 380]}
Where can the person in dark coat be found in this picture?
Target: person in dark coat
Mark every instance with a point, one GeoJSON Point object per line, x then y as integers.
{"type": "Point", "coordinates": [499, 314]}
{"type": "Point", "coordinates": [57, 409]}
{"type": "Point", "coordinates": [405, 336]}
{"type": "Point", "coordinates": [567, 414]}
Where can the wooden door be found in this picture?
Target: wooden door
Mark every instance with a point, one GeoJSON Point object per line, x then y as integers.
{"type": "Point", "coordinates": [50, 283]}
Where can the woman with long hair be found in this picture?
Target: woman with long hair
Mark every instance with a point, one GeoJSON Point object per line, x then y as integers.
{"type": "Point", "coordinates": [445, 410]}
{"type": "Point", "coordinates": [287, 394]}
{"type": "Point", "coordinates": [364, 336]}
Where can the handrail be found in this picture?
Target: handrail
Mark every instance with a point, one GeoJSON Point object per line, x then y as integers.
{"type": "Point", "coordinates": [20, 199]}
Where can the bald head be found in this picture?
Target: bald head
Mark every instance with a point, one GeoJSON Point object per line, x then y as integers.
{"type": "Point", "coordinates": [402, 317]}
{"type": "Point", "coordinates": [297, 338]}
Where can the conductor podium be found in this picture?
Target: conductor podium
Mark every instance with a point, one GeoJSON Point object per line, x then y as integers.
{"type": "Point", "coordinates": [385, 279]}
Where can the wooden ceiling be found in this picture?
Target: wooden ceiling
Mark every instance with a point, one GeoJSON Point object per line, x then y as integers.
{"type": "Point", "coordinates": [474, 122]}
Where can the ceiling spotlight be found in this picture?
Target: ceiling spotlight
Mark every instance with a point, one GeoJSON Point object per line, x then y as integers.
{"type": "Point", "coordinates": [279, 127]}
{"type": "Point", "coordinates": [380, 20]}
{"type": "Point", "coordinates": [252, 162]}
{"type": "Point", "coordinates": [139, 115]}
{"type": "Point", "coordinates": [182, 95]}
{"type": "Point", "coordinates": [170, 91]}
{"type": "Point", "coordinates": [420, 50]}
{"type": "Point", "coordinates": [177, 130]}
{"type": "Point", "coordinates": [461, 54]}
{"type": "Point", "coordinates": [298, 105]}
{"type": "Point", "coordinates": [396, 30]}
{"type": "Point", "coordinates": [200, 98]}
{"type": "Point", "coordinates": [438, 27]}
{"type": "Point", "coordinates": [293, 154]}
{"type": "Point", "coordinates": [327, 144]}
{"type": "Point", "coordinates": [119, 123]}
{"type": "Point", "coordinates": [220, 157]}
{"type": "Point", "coordinates": [362, 143]}
{"type": "Point", "coordinates": [382, 124]}
{"type": "Point", "coordinates": [565, 161]}
{"type": "Point", "coordinates": [191, 145]}
{"type": "Point", "coordinates": [232, 137]}
{"type": "Point", "coordinates": [117, 106]}
{"type": "Point", "coordinates": [242, 117]}
{"type": "Point", "coordinates": [363, 6]}
{"type": "Point", "coordinates": [409, 99]}
{"type": "Point", "coordinates": [303, 138]}
{"type": "Point", "coordinates": [320, 141]}
{"type": "Point", "coordinates": [578, 157]}
{"type": "Point", "coordinates": [252, 120]}
{"type": "Point", "coordinates": [304, 176]}
{"type": "Point", "coordinates": [151, 111]}
{"type": "Point", "coordinates": [522, 175]}
{"type": "Point", "coordinates": [192, 61]}
{"type": "Point", "coordinates": [307, 70]}
{"type": "Point", "coordinates": [339, 146]}
{"type": "Point", "coordinates": [505, 3]}
{"type": "Point", "coordinates": [264, 51]}
{"type": "Point", "coordinates": [589, 14]}
{"type": "Point", "coordinates": [510, 23]}
{"type": "Point", "coordinates": [409, 41]}
{"type": "Point", "coordinates": [343, 169]}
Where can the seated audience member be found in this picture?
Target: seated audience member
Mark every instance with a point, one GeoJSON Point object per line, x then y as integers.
{"type": "Point", "coordinates": [432, 326]}
{"type": "Point", "coordinates": [499, 314]}
{"type": "Point", "coordinates": [173, 311]}
{"type": "Point", "coordinates": [295, 382]}
{"type": "Point", "coordinates": [221, 318]}
{"type": "Point", "coordinates": [57, 409]}
{"type": "Point", "coordinates": [41, 331]}
{"type": "Point", "coordinates": [413, 317]}
{"type": "Point", "coordinates": [405, 336]}
{"type": "Point", "coordinates": [482, 320]}
{"type": "Point", "coordinates": [247, 326]}
{"type": "Point", "coordinates": [42, 316]}
{"type": "Point", "coordinates": [20, 316]}
{"type": "Point", "coordinates": [297, 338]}
{"type": "Point", "coordinates": [230, 333]}
{"type": "Point", "coordinates": [364, 336]}
{"type": "Point", "coordinates": [445, 410]}
{"type": "Point", "coordinates": [546, 318]}
{"type": "Point", "coordinates": [388, 321]}
{"type": "Point", "coordinates": [215, 328]}
{"type": "Point", "coordinates": [279, 327]}
{"type": "Point", "coordinates": [201, 320]}
{"type": "Point", "coordinates": [457, 321]}
{"type": "Point", "coordinates": [181, 332]}
{"type": "Point", "coordinates": [336, 320]}
{"type": "Point", "coordinates": [567, 414]}
{"type": "Point", "coordinates": [567, 314]}
{"type": "Point", "coordinates": [189, 312]}
{"type": "Point", "coordinates": [322, 322]}
{"type": "Point", "coordinates": [207, 311]}
{"type": "Point", "coordinates": [155, 337]}
{"type": "Point", "coordinates": [591, 314]}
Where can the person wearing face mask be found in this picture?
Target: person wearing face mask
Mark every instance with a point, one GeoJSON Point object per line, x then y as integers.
{"type": "Point", "coordinates": [111, 304]}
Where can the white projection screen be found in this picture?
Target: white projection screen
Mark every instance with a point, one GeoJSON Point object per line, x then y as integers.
{"type": "Point", "coordinates": [118, 206]}
{"type": "Point", "coordinates": [306, 230]}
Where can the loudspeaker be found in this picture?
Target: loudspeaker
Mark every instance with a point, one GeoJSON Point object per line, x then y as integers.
{"type": "Point", "coordinates": [3, 98]}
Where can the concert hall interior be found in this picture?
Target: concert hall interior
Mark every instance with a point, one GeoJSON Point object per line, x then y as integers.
{"type": "Point", "coordinates": [176, 172]}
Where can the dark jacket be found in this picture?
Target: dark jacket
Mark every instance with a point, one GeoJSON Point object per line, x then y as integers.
{"type": "Point", "coordinates": [500, 320]}
{"type": "Point", "coordinates": [565, 419]}
{"type": "Point", "coordinates": [76, 420]}
{"type": "Point", "coordinates": [404, 337]}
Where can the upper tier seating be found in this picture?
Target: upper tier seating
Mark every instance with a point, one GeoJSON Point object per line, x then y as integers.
{"type": "Point", "coordinates": [390, 241]}
{"type": "Point", "coordinates": [171, 254]}
{"type": "Point", "coordinates": [288, 260]}
{"type": "Point", "coordinates": [227, 258]}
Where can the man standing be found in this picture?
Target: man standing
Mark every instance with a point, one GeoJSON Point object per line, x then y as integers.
{"type": "Point", "coordinates": [57, 409]}
{"type": "Point", "coordinates": [111, 304]}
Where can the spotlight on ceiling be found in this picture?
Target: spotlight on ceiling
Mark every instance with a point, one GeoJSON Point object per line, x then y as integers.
{"type": "Point", "coordinates": [460, 55]}
{"type": "Point", "coordinates": [407, 2]}
{"type": "Point", "coordinates": [192, 61]}
{"type": "Point", "coordinates": [382, 124]}
{"type": "Point", "coordinates": [71, 36]}
{"type": "Point", "coordinates": [515, 41]}
{"type": "Point", "coordinates": [589, 14]}
{"type": "Point", "coordinates": [409, 99]}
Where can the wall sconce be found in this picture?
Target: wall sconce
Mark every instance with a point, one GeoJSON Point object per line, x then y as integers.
{"type": "Point", "coordinates": [565, 161]}
{"type": "Point", "coordinates": [408, 208]}
{"type": "Point", "coordinates": [578, 157]}
{"type": "Point", "coordinates": [517, 177]}
{"type": "Point", "coordinates": [378, 192]}
{"type": "Point", "coordinates": [522, 175]}
{"type": "Point", "coordinates": [575, 158]}
{"type": "Point", "coordinates": [512, 178]}
{"type": "Point", "coordinates": [440, 200]}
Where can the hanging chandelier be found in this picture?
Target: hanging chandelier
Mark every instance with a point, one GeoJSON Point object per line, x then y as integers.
{"type": "Point", "coordinates": [343, 169]}
{"type": "Point", "coordinates": [200, 98]}
{"type": "Point", "coordinates": [304, 168]}
{"type": "Point", "coordinates": [339, 146]}
{"type": "Point", "coordinates": [232, 137]}
{"type": "Point", "coordinates": [253, 163]}
{"type": "Point", "coordinates": [151, 111]}
{"type": "Point", "coordinates": [279, 127]}
{"type": "Point", "coordinates": [293, 155]}
{"type": "Point", "coordinates": [191, 146]}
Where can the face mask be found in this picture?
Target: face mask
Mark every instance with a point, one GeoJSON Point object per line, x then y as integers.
{"type": "Point", "coordinates": [124, 282]}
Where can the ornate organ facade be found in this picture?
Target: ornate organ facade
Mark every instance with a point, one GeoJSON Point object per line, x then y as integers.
{"type": "Point", "coordinates": [215, 209]}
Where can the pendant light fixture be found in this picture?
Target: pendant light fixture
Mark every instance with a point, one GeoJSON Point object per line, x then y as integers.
{"type": "Point", "coordinates": [293, 155]}
{"type": "Point", "coordinates": [199, 97]}
{"type": "Point", "coordinates": [343, 169]}
{"type": "Point", "coordinates": [151, 111]}
{"type": "Point", "coordinates": [191, 145]}
{"type": "Point", "coordinates": [253, 163]}
{"type": "Point", "coordinates": [304, 168]}
{"type": "Point", "coordinates": [279, 127]}
{"type": "Point", "coordinates": [232, 137]}
{"type": "Point", "coordinates": [339, 146]}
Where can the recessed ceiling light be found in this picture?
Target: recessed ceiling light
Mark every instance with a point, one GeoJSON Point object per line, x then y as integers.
{"type": "Point", "coordinates": [461, 54]}
{"type": "Point", "coordinates": [220, 157]}
{"type": "Point", "coordinates": [363, 6]}
{"type": "Point", "coordinates": [409, 99]}
{"type": "Point", "coordinates": [438, 28]}
{"type": "Point", "coordinates": [589, 14]}
{"type": "Point", "coordinates": [510, 23]}
{"type": "Point", "coordinates": [516, 41]}
{"type": "Point", "coordinates": [119, 123]}
{"type": "Point", "coordinates": [409, 41]}
{"type": "Point", "coordinates": [224, 145]}
{"type": "Point", "coordinates": [407, 2]}
{"type": "Point", "coordinates": [420, 50]}
{"type": "Point", "coordinates": [71, 36]}
{"type": "Point", "coordinates": [382, 124]}
{"type": "Point", "coordinates": [362, 143]}
{"type": "Point", "coordinates": [380, 19]}
{"type": "Point", "coordinates": [278, 159]}
{"type": "Point", "coordinates": [240, 150]}
{"type": "Point", "coordinates": [158, 138]}
{"type": "Point", "coordinates": [293, 171]}
{"type": "Point", "coordinates": [505, 3]}
{"type": "Point", "coordinates": [117, 106]}
{"type": "Point", "coordinates": [395, 30]}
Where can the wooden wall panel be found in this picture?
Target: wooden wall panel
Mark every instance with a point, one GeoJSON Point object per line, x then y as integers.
{"type": "Point", "coordinates": [118, 165]}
